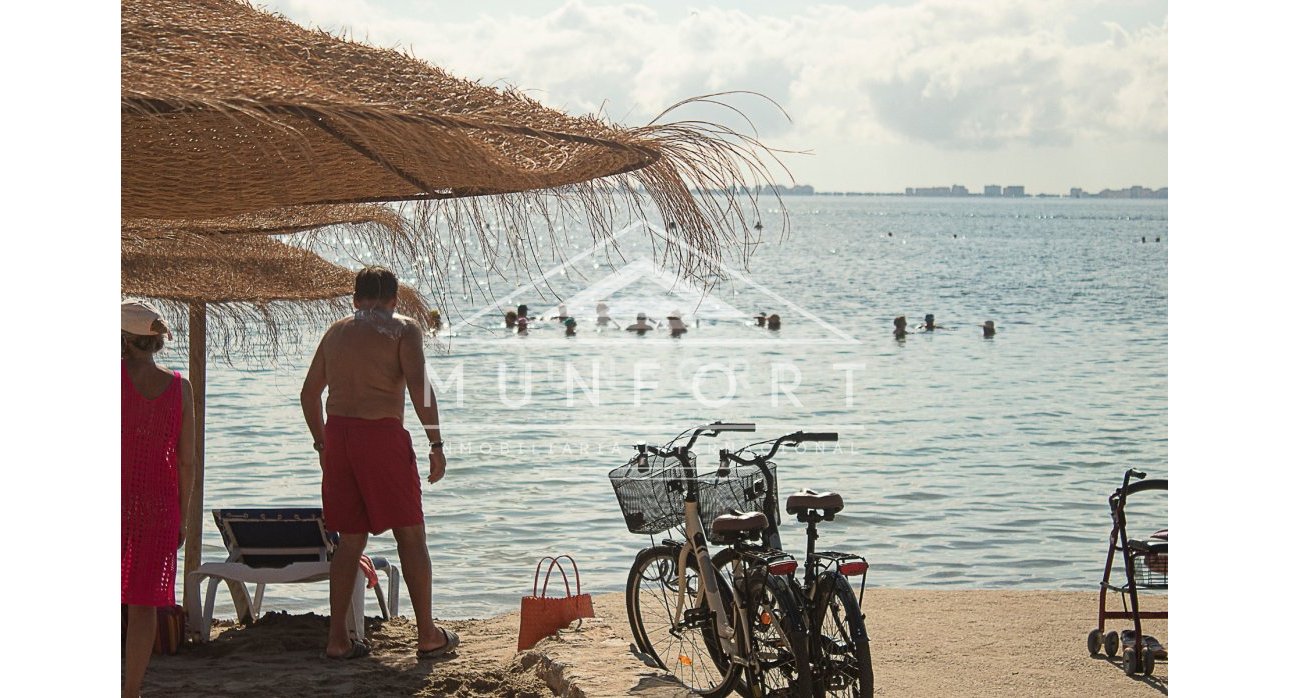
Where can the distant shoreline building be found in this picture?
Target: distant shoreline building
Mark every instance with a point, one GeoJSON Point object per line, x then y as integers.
{"type": "Point", "coordinates": [1015, 191]}
{"type": "Point", "coordinates": [1133, 192]}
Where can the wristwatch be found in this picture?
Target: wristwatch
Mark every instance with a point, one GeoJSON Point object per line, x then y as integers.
{"type": "Point", "coordinates": [436, 444]}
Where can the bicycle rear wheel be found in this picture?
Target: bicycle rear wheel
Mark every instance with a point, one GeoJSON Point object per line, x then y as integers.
{"type": "Point", "coordinates": [691, 650]}
{"type": "Point", "coordinates": [843, 664]}
{"type": "Point", "coordinates": [779, 628]}
{"type": "Point", "coordinates": [779, 640]}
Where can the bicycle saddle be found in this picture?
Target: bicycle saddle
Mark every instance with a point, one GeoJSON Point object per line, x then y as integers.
{"type": "Point", "coordinates": [828, 502]}
{"type": "Point", "coordinates": [728, 527]}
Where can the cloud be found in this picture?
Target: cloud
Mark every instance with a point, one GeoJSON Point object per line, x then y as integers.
{"type": "Point", "coordinates": [972, 76]}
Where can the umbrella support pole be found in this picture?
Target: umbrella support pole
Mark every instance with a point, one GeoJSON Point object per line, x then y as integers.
{"type": "Point", "coordinates": [196, 504]}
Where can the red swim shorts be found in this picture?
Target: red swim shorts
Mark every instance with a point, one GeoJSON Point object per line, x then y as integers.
{"type": "Point", "coordinates": [370, 479]}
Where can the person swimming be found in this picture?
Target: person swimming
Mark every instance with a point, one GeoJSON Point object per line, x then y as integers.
{"type": "Point", "coordinates": [675, 324]}
{"type": "Point", "coordinates": [641, 326]}
{"type": "Point", "coordinates": [900, 330]}
{"type": "Point", "coordinates": [772, 322]}
{"type": "Point", "coordinates": [988, 329]}
{"type": "Point", "coordinates": [602, 314]}
{"type": "Point", "coordinates": [510, 319]}
{"type": "Point", "coordinates": [929, 323]}
{"type": "Point", "coordinates": [570, 327]}
{"type": "Point", "coordinates": [522, 325]}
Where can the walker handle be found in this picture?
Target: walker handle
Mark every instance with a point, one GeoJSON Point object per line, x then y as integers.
{"type": "Point", "coordinates": [1134, 472]}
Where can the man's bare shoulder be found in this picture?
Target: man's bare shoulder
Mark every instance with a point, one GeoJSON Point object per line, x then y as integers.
{"type": "Point", "coordinates": [411, 328]}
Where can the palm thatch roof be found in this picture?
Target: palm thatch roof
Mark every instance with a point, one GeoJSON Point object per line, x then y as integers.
{"type": "Point", "coordinates": [281, 221]}
{"type": "Point", "coordinates": [227, 110]}
{"type": "Point", "coordinates": [365, 233]}
{"type": "Point", "coordinates": [245, 282]}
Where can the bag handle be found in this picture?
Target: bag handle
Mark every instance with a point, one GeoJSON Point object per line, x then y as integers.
{"type": "Point", "coordinates": [555, 562]}
{"type": "Point", "coordinates": [577, 577]}
{"type": "Point", "coordinates": [549, 569]}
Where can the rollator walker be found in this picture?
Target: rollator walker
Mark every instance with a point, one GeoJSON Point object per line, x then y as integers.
{"type": "Point", "coordinates": [1146, 566]}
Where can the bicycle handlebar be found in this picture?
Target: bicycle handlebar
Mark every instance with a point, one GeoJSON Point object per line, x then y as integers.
{"type": "Point", "coordinates": [1131, 473]}
{"type": "Point", "coordinates": [795, 438]}
{"type": "Point", "coordinates": [706, 430]}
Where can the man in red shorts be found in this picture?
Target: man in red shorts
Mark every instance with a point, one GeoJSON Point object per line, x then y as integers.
{"type": "Point", "coordinates": [370, 478]}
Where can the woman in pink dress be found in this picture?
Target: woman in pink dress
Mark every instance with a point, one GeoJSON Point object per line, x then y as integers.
{"type": "Point", "coordinates": [157, 455]}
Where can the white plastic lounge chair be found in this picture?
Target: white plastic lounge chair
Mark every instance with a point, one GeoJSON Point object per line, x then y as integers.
{"type": "Point", "coordinates": [277, 546]}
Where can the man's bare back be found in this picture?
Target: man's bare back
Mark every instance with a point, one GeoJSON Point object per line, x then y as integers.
{"type": "Point", "coordinates": [370, 479]}
{"type": "Point", "coordinates": [365, 364]}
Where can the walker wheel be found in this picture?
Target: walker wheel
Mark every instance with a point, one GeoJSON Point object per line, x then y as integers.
{"type": "Point", "coordinates": [1094, 642]}
{"type": "Point", "coordinates": [1130, 661]}
{"type": "Point", "coordinates": [1148, 661]}
{"type": "Point", "coordinates": [1112, 644]}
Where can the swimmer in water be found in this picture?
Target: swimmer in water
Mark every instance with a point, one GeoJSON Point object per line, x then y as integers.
{"type": "Point", "coordinates": [570, 327]}
{"type": "Point", "coordinates": [772, 322]}
{"type": "Point", "coordinates": [988, 329]}
{"type": "Point", "coordinates": [602, 315]}
{"type": "Point", "coordinates": [641, 326]}
{"type": "Point", "coordinates": [511, 317]}
{"type": "Point", "coordinates": [929, 323]}
{"type": "Point", "coordinates": [900, 331]}
{"type": "Point", "coordinates": [675, 324]}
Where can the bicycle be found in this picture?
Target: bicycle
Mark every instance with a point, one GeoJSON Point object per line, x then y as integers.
{"type": "Point", "coordinates": [700, 628]}
{"type": "Point", "coordinates": [836, 640]}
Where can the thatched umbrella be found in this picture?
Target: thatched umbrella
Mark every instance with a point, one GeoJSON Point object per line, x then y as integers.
{"type": "Point", "coordinates": [236, 281]}
{"type": "Point", "coordinates": [226, 109]}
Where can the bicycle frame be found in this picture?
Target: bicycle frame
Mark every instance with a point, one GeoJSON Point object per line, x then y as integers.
{"type": "Point", "coordinates": [696, 544]}
{"type": "Point", "coordinates": [737, 645]}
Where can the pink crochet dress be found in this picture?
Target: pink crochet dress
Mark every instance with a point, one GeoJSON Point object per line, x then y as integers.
{"type": "Point", "coordinates": [149, 492]}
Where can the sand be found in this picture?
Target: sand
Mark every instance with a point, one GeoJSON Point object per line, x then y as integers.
{"type": "Point", "coordinates": [924, 643]}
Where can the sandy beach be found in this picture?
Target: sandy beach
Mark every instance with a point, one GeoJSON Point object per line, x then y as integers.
{"type": "Point", "coordinates": [924, 642]}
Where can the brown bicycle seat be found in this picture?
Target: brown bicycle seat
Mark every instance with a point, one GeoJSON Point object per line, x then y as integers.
{"type": "Point", "coordinates": [737, 523]}
{"type": "Point", "coordinates": [806, 500]}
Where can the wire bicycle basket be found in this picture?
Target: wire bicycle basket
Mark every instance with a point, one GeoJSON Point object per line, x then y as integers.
{"type": "Point", "coordinates": [651, 493]}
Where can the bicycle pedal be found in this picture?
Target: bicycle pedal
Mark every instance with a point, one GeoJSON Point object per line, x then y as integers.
{"type": "Point", "coordinates": [696, 617]}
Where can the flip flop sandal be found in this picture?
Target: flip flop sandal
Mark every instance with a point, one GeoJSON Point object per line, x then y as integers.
{"type": "Point", "coordinates": [356, 650]}
{"type": "Point", "coordinates": [452, 641]}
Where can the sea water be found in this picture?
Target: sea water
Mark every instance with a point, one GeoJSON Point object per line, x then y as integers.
{"type": "Point", "coordinates": [964, 462]}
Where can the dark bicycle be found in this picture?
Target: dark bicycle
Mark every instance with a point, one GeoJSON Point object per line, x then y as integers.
{"type": "Point", "coordinates": [837, 645]}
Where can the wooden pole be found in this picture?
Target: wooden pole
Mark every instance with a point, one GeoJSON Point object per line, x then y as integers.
{"type": "Point", "coordinates": [197, 505]}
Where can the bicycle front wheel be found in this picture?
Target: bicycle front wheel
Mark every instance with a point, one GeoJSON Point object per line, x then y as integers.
{"type": "Point", "coordinates": [689, 650]}
{"type": "Point", "coordinates": [844, 666]}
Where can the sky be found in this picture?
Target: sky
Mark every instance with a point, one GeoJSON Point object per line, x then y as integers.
{"type": "Point", "coordinates": [875, 97]}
